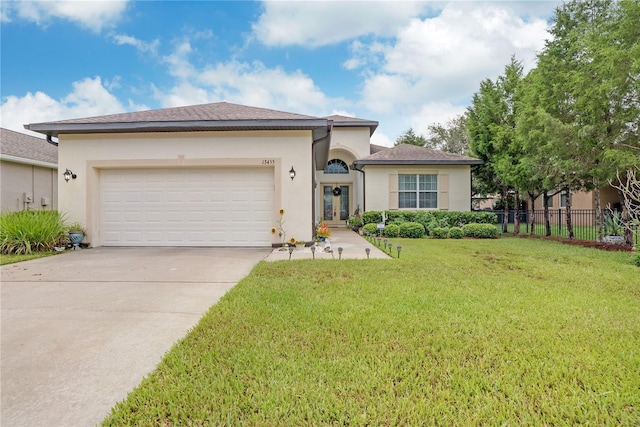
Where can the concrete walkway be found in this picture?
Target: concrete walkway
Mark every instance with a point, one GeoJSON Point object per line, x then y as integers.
{"type": "Point", "coordinates": [80, 330]}
{"type": "Point", "coordinates": [353, 247]}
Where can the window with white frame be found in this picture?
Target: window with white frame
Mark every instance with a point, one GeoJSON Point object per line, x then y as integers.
{"type": "Point", "coordinates": [417, 191]}
{"type": "Point", "coordinates": [336, 166]}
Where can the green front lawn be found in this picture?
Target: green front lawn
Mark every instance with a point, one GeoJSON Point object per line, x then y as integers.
{"type": "Point", "coordinates": [455, 332]}
{"type": "Point", "coordinates": [13, 258]}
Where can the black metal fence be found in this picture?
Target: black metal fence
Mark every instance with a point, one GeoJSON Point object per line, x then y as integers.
{"type": "Point", "coordinates": [583, 220]}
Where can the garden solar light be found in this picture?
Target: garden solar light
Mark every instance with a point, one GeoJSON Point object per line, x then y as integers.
{"type": "Point", "coordinates": [313, 251]}
{"type": "Point", "coordinates": [367, 250]}
{"type": "Point", "coordinates": [290, 251]}
{"type": "Point", "coordinates": [378, 238]}
{"type": "Point", "coordinates": [399, 249]}
{"type": "Point", "coordinates": [390, 246]}
{"type": "Point", "coordinates": [340, 253]}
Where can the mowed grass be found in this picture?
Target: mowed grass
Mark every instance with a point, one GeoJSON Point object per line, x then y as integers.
{"type": "Point", "coordinates": [470, 332]}
{"type": "Point", "coordinates": [13, 258]}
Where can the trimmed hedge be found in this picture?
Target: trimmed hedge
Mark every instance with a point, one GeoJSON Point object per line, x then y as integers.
{"type": "Point", "coordinates": [392, 230]}
{"type": "Point", "coordinates": [480, 231]}
{"type": "Point", "coordinates": [456, 233]}
{"type": "Point", "coordinates": [452, 218]}
{"type": "Point", "coordinates": [370, 228]}
{"type": "Point", "coordinates": [412, 230]}
{"type": "Point", "coordinates": [372, 217]}
{"type": "Point", "coordinates": [439, 233]}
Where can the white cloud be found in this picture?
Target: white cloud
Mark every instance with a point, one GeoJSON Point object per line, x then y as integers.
{"type": "Point", "coordinates": [430, 70]}
{"type": "Point", "coordinates": [243, 83]}
{"type": "Point", "coordinates": [318, 23]}
{"type": "Point", "coordinates": [90, 14]}
{"type": "Point", "coordinates": [431, 113]}
{"type": "Point", "coordinates": [140, 45]}
{"type": "Point", "coordinates": [88, 98]}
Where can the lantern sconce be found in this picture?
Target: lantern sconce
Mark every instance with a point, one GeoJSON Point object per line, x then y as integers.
{"type": "Point", "coordinates": [68, 175]}
{"type": "Point", "coordinates": [292, 173]}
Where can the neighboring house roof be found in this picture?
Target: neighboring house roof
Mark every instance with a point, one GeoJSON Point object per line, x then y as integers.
{"type": "Point", "coordinates": [21, 148]}
{"type": "Point", "coordinates": [406, 154]}
{"type": "Point", "coordinates": [344, 121]}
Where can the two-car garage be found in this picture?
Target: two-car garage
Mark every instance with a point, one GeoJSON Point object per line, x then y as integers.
{"type": "Point", "coordinates": [186, 206]}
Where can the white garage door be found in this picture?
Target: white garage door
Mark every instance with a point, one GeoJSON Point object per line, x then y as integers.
{"type": "Point", "coordinates": [187, 207]}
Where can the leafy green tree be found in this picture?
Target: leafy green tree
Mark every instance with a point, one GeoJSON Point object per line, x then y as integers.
{"type": "Point", "coordinates": [491, 122]}
{"type": "Point", "coordinates": [410, 137]}
{"type": "Point", "coordinates": [451, 137]}
{"type": "Point", "coordinates": [590, 90]}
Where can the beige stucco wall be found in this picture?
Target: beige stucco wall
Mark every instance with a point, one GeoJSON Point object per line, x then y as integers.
{"type": "Point", "coordinates": [585, 199]}
{"type": "Point", "coordinates": [347, 144]}
{"type": "Point", "coordinates": [86, 155]}
{"type": "Point", "coordinates": [377, 189]}
{"type": "Point", "coordinates": [20, 178]}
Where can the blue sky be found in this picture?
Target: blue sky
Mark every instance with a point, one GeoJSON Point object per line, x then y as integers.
{"type": "Point", "coordinates": [404, 64]}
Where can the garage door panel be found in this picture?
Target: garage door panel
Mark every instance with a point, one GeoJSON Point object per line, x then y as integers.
{"type": "Point", "coordinates": [186, 207]}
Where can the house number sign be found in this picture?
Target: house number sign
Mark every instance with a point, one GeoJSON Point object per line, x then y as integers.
{"type": "Point", "coordinates": [268, 162]}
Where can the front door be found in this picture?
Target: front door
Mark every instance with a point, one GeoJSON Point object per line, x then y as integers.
{"type": "Point", "coordinates": [336, 203]}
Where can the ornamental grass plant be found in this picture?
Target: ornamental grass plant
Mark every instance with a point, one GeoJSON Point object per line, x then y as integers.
{"type": "Point", "coordinates": [456, 332]}
{"type": "Point", "coordinates": [31, 231]}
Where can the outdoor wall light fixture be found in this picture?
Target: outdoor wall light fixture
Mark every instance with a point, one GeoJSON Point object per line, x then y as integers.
{"type": "Point", "coordinates": [68, 175]}
{"type": "Point", "coordinates": [292, 173]}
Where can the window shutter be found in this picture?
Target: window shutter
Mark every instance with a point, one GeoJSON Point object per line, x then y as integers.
{"type": "Point", "coordinates": [443, 192]}
{"type": "Point", "coordinates": [393, 191]}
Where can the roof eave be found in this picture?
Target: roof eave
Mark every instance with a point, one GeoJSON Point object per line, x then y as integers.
{"type": "Point", "coordinates": [55, 129]}
{"type": "Point", "coordinates": [372, 125]}
{"type": "Point", "coordinates": [25, 161]}
{"type": "Point", "coordinates": [360, 163]}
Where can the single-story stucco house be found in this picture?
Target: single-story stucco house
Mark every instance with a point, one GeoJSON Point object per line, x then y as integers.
{"type": "Point", "coordinates": [219, 175]}
{"type": "Point", "coordinates": [28, 172]}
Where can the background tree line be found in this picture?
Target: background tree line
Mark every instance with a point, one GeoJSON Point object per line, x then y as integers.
{"type": "Point", "coordinates": [570, 124]}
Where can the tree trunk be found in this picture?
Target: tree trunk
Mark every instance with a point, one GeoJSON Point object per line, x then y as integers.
{"type": "Point", "coordinates": [569, 202]}
{"type": "Point", "coordinates": [547, 223]}
{"type": "Point", "coordinates": [505, 216]}
{"type": "Point", "coordinates": [516, 216]}
{"type": "Point", "coordinates": [626, 220]}
{"type": "Point", "coordinates": [532, 219]}
{"type": "Point", "coordinates": [599, 217]}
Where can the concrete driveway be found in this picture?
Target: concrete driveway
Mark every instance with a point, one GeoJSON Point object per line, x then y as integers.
{"type": "Point", "coordinates": [80, 330]}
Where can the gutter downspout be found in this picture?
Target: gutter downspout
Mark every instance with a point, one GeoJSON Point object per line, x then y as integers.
{"type": "Point", "coordinates": [50, 141]}
{"type": "Point", "coordinates": [364, 186]}
{"type": "Point", "coordinates": [313, 180]}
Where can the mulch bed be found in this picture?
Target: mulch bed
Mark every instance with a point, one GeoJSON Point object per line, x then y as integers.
{"type": "Point", "coordinates": [586, 243]}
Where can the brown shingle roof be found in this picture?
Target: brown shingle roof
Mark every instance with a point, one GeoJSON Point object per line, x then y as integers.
{"type": "Point", "coordinates": [374, 148]}
{"type": "Point", "coordinates": [217, 116]}
{"type": "Point", "coordinates": [27, 147]}
{"type": "Point", "coordinates": [345, 121]}
{"type": "Point", "coordinates": [218, 111]}
{"type": "Point", "coordinates": [406, 154]}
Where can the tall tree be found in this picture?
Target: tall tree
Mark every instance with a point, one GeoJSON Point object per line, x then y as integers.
{"type": "Point", "coordinates": [491, 124]}
{"type": "Point", "coordinates": [482, 117]}
{"type": "Point", "coordinates": [591, 88]}
{"type": "Point", "coordinates": [451, 137]}
{"type": "Point", "coordinates": [410, 137]}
